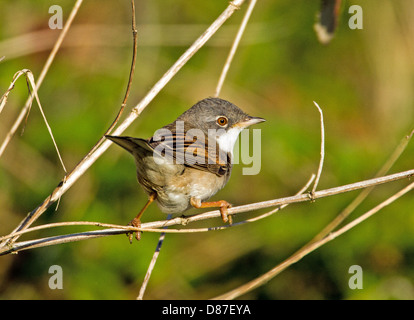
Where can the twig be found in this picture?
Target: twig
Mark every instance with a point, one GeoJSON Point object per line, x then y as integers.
{"type": "Point", "coordinates": [131, 72]}
{"type": "Point", "coordinates": [365, 192]}
{"type": "Point", "coordinates": [88, 160]}
{"type": "Point", "coordinates": [152, 263]}
{"type": "Point", "coordinates": [146, 229]}
{"type": "Point", "coordinates": [318, 175]}
{"type": "Point", "coordinates": [31, 82]}
{"type": "Point", "coordinates": [234, 47]}
{"type": "Point", "coordinates": [128, 88]}
{"type": "Point", "coordinates": [67, 224]}
{"type": "Point", "coordinates": [265, 215]}
{"type": "Point", "coordinates": [10, 247]}
{"type": "Point", "coordinates": [300, 254]}
{"type": "Point", "coordinates": [42, 75]}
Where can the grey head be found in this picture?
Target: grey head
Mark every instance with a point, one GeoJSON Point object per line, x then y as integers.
{"type": "Point", "coordinates": [216, 113]}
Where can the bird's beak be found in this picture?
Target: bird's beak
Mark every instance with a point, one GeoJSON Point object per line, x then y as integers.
{"type": "Point", "coordinates": [248, 122]}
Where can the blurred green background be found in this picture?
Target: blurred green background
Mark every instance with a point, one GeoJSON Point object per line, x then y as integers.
{"type": "Point", "coordinates": [363, 80]}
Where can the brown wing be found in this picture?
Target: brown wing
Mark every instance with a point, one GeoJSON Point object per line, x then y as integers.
{"type": "Point", "coordinates": [191, 147]}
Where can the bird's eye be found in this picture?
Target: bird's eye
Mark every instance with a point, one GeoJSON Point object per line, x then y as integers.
{"type": "Point", "coordinates": [222, 121]}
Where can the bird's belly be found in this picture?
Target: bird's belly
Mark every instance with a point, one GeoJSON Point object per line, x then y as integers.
{"type": "Point", "coordinates": [175, 196]}
{"type": "Point", "coordinates": [175, 184]}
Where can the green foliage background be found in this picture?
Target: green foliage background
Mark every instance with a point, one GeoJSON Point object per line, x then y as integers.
{"type": "Point", "coordinates": [363, 81]}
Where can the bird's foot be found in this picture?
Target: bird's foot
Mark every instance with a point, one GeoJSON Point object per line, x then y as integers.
{"type": "Point", "coordinates": [137, 224]}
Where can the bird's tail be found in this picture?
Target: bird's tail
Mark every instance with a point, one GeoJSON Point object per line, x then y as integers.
{"type": "Point", "coordinates": [130, 144]}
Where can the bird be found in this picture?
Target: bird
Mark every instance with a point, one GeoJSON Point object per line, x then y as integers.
{"type": "Point", "coordinates": [189, 160]}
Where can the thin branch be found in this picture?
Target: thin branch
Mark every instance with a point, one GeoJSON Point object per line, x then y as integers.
{"type": "Point", "coordinates": [67, 224]}
{"type": "Point", "coordinates": [42, 75]}
{"type": "Point", "coordinates": [365, 192]}
{"type": "Point", "coordinates": [144, 228]}
{"type": "Point", "coordinates": [300, 254]}
{"type": "Point", "coordinates": [31, 82]}
{"type": "Point", "coordinates": [131, 72]}
{"type": "Point", "coordinates": [14, 247]}
{"type": "Point", "coordinates": [265, 215]}
{"type": "Point", "coordinates": [234, 47]}
{"type": "Point", "coordinates": [88, 160]}
{"type": "Point", "coordinates": [318, 175]}
{"type": "Point", "coordinates": [152, 263]}
{"type": "Point", "coordinates": [128, 88]}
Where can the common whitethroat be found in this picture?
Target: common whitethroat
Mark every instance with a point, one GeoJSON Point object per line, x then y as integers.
{"type": "Point", "coordinates": [187, 161]}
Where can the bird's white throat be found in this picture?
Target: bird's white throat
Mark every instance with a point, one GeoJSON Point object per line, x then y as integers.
{"type": "Point", "coordinates": [227, 140]}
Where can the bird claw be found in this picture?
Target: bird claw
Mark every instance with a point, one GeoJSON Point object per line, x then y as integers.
{"type": "Point", "coordinates": [137, 224]}
{"type": "Point", "coordinates": [225, 215]}
{"type": "Point", "coordinates": [222, 204]}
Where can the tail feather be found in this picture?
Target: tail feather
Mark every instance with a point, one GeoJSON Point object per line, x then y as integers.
{"type": "Point", "coordinates": [130, 144]}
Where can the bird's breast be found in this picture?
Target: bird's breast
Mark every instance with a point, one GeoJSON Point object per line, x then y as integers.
{"type": "Point", "coordinates": [175, 195]}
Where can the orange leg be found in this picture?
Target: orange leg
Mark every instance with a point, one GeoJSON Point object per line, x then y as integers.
{"type": "Point", "coordinates": [136, 222]}
{"type": "Point", "coordinates": [222, 204]}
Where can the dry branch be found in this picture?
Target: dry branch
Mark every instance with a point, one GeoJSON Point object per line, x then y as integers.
{"type": "Point", "coordinates": [234, 47]}
{"type": "Point", "coordinates": [157, 225]}
{"type": "Point", "coordinates": [308, 249]}
{"type": "Point", "coordinates": [318, 174]}
{"type": "Point", "coordinates": [152, 264]}
{"type": "Point", "coordinates": [31, 82]}
{"type": "Point", "coordinates": [42, 75]}
{"type": "Point", "coordinates": [365, 192]}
